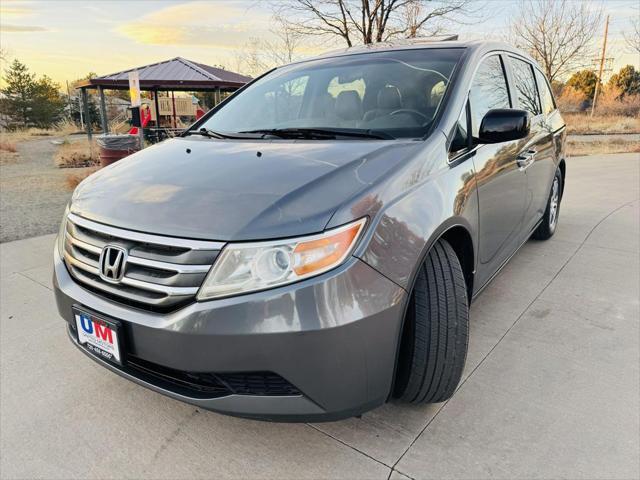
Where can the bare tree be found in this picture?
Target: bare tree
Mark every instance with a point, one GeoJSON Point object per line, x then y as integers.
{"type": "Point", "coordinates": [249, 59]}
{"type": "Point", "coordinates": [557, 33]}
{"type": "Point", "coordinates": [371, 21]}
{"type": "Point", "coordinates": [288, 41]}
{"type": "Point", "coordinates": [413, 23]}
{"type": "Point", "coordinates": [258, 55]}
{"type": "Point", "coordinates": [633, 37]}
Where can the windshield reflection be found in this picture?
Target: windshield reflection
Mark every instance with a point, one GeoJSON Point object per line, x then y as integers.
{"type": "Point", "coordinates": [383, 95]}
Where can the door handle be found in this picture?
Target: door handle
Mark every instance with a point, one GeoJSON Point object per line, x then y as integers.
{"type": "Point", "coordinates": [526, 158]}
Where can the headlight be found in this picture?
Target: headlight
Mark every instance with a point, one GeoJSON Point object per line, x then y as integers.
{"type": "Point", "coordinates": [62, 232]}
{"type": "Point", "coordinates": [248, 267]}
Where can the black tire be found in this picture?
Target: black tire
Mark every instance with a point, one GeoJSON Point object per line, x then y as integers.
{"type": "Point", "coordinates": [435, 335]}
{"type": "Point", "coordinates": [547, 228]}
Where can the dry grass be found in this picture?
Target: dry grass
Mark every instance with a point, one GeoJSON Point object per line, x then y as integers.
{"type": "Point", "coordinates": [8, 152]}
{"type": "Point", "coordinates": [576, 148]}
{"type": "Point", "coordinates": [77, 154]}
{"type": "Point", "coordinates": [64, 128]}
{"type": "Point", "coordinates": [571, 100]}
{"type": "Point", "coordinates": [613, 102]}
{"type": "Point", "coordinates": [26, 134]}
{"type": "Point", "coordinates": [583, 123]}
{"type": "Point", "coordinates": [8, 158]}
{"type": "Point", "coordinates": [73, 179]}
{"type": "Point", "coordinates": [8, 147]}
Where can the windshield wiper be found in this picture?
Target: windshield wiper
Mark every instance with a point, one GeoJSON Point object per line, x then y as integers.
{"type": "Point", "coordinates": [323, 133]}
{"type": "Point", "coordinates": [205, 132]}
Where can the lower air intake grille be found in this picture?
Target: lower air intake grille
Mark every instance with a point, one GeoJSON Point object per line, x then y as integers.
{"type": "Point", "coordinates": [258, 383]}
{"type": "Point", "coordinates": [211, 385]}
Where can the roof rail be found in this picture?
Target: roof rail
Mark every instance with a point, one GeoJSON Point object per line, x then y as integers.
{"type": "Point", "coordinates": [434, 38]}
{"type": "Point", "coordinates": [395, 42]}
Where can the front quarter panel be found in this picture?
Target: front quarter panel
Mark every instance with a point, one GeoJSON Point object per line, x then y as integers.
{"type": "Point", "coordinates": [428, 197]}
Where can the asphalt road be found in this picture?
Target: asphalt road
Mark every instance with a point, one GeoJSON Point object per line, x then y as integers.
{"type": "Point", "coordinates": [551, 387]}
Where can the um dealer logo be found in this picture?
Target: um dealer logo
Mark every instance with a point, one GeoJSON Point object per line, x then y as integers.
{"type": "Point", "coordinates": [91, 327]}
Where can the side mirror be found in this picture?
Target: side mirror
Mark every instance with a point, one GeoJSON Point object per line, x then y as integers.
{"type": "Point", "coordinates": [504, 124]}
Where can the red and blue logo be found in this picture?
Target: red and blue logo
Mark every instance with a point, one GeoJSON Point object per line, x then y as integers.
{"type": "Point", "coordinates": [94, 327]}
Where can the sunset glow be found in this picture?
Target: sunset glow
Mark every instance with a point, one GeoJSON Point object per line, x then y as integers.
{"type": "Point", "coordinates": [68, 39]}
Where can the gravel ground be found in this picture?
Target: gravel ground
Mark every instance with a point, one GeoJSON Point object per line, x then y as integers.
{"type": "Point", "coordinates": [33, 191]}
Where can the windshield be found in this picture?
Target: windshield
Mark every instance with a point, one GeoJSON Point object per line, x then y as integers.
{"type": "Point", "coordinates": [394, 93]}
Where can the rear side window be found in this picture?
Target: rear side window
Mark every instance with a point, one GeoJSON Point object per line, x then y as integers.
{"type": "Point", "coordinates": [525, 84]}
{"type": "Point", "coordinates": [548, 105]}
{"type": "Point", "coordinates": [488, 91]}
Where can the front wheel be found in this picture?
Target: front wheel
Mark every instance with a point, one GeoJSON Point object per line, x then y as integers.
{"type": "Point", "coordinates": [434, 340]}
{"type": "Point", "coordinates": [547, 228]}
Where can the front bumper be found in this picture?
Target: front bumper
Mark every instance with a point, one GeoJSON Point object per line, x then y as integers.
{"type": "Point", "coordinates": [333, 337]}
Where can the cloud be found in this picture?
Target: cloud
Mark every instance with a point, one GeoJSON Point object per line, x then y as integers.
{"type": "Point", "coordinates": [22, 28]}
{"type": "Point", "coordinates": [15, 11]}
{"type": "Point", "coordinates": [197, 24]}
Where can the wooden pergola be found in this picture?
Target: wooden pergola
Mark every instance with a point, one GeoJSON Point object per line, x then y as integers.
{"type": "Point", "coordinates": [174, 75]}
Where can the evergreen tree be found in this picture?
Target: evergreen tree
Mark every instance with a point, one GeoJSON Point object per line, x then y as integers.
{"type": "Point", "coordinates": [47, 103]}
{"type": "Point", "coordinates": [28, 101]}
{"type": "Point", "coordinates": [584, 81]}
{"type": "Point", "coordinates": [18, 93]}
{"type": "Point", "coordinates": [626, 81]}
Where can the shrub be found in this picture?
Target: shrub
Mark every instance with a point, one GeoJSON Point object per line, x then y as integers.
{"type": "Point", "coordinates": [74, 179]}
{"type": "Point", "coordinates": [8, 147]}
{"type": "Point", "coordinates": [613, 102]}
{"type": "Point", "coordinates": [77, 154]}
{"type": "Point", "coordinates": [584, 81]}
{"type": "Point", "coordinates": [572, 100]}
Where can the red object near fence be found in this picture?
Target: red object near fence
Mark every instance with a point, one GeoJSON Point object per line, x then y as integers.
{"type": "Point", "coordinates": [145, 115]}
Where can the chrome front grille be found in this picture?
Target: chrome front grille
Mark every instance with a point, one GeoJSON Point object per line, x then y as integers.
{"type": "Point", "coordinates": [160, 272]}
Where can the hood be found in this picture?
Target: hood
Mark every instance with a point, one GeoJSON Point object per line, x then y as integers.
{"type": "Point", "coordinates": [224, 190]}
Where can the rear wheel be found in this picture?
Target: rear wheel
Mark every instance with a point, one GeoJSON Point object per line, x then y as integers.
{"type": "Point", "coordinates": [547, 228]}
{"type": "Point", "coordinates": [434, 340]}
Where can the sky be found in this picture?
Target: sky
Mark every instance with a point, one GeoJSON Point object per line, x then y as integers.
{"type": "Point", "coordinates": [66, 39]}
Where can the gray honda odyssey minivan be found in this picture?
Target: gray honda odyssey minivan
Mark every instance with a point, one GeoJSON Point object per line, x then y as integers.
{"type": "Point", "coordinates": [309, 249]}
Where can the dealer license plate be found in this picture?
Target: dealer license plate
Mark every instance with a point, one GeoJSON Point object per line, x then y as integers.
{"type": "Point", "coordinates": [99, 336]}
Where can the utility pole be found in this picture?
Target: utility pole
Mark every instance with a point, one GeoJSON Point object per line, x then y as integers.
{"type": "Point", "coordinates": [604, 50]}
{"type": "Point", "coordinates": [69, 101]}
{"type": "Point", "coordinates": [81, 108]}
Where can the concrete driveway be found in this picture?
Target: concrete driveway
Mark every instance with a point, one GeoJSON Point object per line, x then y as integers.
{"type": "Point", "coordinates": [551, 388]}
